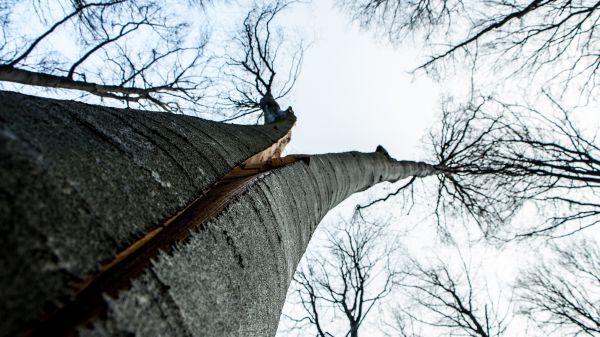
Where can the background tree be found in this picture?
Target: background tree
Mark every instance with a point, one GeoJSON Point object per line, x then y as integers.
{"type": "Point", "coordinates": [346, 281]}
{"type": "Point", "coordinates": [555, 39]}
{"type": "Point", "coordinates": [253, 66]}
{"type": "Point", "coordinates": [562, 295]}
{"type": "Point", "coordinates": [148, 55]}
{"type": "Point", "coordinates": [143, 53]}
{"type": "Point", "coordinates": [443, 302]}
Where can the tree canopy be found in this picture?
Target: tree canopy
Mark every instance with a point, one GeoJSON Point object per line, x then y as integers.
{"type": "Point", "coordinates": [554, 39]}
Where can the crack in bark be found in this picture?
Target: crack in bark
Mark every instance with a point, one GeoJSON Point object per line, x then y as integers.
{"type": "Point", "coordinates": [130, 263]}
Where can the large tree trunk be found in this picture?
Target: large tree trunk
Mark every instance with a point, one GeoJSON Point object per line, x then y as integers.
{"type": "Point", "coordinates": [82, 183]}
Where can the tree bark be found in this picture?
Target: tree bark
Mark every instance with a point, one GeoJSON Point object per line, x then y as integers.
{"type": "Point", "coordinates": [80, 184]}
{"type": "Point", "coordinates": [231, 278]}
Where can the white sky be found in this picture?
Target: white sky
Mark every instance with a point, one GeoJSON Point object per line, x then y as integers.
{"type": "Point", "coordinates": [355, 93]}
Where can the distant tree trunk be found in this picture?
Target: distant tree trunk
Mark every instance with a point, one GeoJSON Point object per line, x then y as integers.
{"type": "Point", "coordinates": [85, 194]}
{"type": "Point", "coordinates": [354, 330]}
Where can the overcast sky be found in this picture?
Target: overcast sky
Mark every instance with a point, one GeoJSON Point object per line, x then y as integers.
{"type": "Point", "coordinates": [356, 92]}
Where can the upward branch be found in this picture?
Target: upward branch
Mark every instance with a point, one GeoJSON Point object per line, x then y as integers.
{"type": "Point", "coordinates": [79, 9]}
{"type": "Point", "coordinates": [448, 302]}
{"type": "Point", "coordinates": [348, 281]}
{"type": "Point", "coordinates": [561, 295]}
{"type": "Point", "coordinates": [554, 41]}
{"type": "Point", "coordinates": [504, 20]}
{"type": "Point", "coordinates": [255, 65]}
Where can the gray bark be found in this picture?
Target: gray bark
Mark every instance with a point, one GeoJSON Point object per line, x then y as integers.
{"type": "Point", "coordinates": [271, 109]}
{"type": "Point", "coordinates": [231, 278]}
{"type": "Point", "coordinates": [80, 182]}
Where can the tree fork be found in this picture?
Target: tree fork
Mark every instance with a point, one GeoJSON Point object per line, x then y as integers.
{"type": "Point", "coordinates": [228, 278]}
{"type": "Point", "coordinates": [81, 182]}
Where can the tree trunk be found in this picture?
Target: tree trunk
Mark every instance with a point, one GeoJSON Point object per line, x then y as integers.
{"type": "Point", "coordinates": [81, 183]}
{"type": "Point", "coordinates": [354, 329]}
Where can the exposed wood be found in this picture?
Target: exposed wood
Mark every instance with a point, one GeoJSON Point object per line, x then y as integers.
{"type": "Point", "coordinates": [120, 172]}
{"type": "Point", "coordinates": [116, 275]}
{"type": "Point", "coordinates": [274, 151]}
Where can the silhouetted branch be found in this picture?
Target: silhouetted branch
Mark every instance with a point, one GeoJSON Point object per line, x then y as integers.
{"type": "Point", "coordinates": [350, 280]}
{"type": "Point", "coordinates": [557, 39]}
{"type": "Point", "coordinates": [448, 303]}
{"type": "Point", "coordinates": [79, 8]}
{"type": "Point", "coordinates": [161, 69]}
{"type": "Point", "coordinates": [498, 156]}
{"type": "Point", "coordinates": [252, 69]}
{"type": "Point", "coordinates": [563, 295]}
{"type": "Point", "coordinates": [389, 195]}
{"type": "Point", "coordinates": [400, 18]}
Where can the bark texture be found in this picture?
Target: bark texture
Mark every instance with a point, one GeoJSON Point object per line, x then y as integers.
{"type": "Point", "coordinates": [231, 278]}
{"type": "Point", "coordinates": [80, 182]}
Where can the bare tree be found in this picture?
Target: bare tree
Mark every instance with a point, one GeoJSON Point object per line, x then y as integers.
{"type": "Point", "coordinates": [138, 52]}
{"type": "Point", "coordinates": [252, 67]}
{"type": "Point", "coordinates": [348, 281]}
{"type": "Point", "coordinates": [554, 38]}
{"type": "Point", "coordinates": [498, 157]}
{"type": "Point", "coordinates": [447, 303]}
{"type": "Point", "coordinates": [147, 54]}
{"type": "Point", "coordinates": [402, 325]}
{"type": "Point", "coordinates": [563, 295]}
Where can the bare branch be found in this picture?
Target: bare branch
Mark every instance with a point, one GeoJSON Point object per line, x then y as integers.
{"type": "Point", "coordinates": [76, 12]}
{"type": "Point", "coordinates": [252, 68]}
{"type": "Point", "coordinates": [562, 296]}
{"type": "Point", "coordinates": [163, 70]}
{"type": "Point", "coordinates": [555, 39]}
{"type": "Point", "coordinates": [448, 303]}
{"type": "Point", "coordinates": [389, 195]}
{"type": "Point", "coordinates": [349, 281]}
{"type": "Point", "coordinates": [498, 156]}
